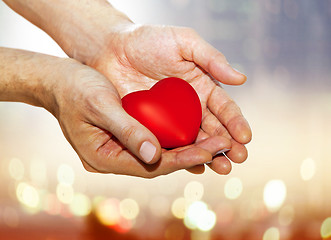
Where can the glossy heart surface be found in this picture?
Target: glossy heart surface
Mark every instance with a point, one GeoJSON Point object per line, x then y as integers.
{"type": "Point", "coordinates": [171, 110]}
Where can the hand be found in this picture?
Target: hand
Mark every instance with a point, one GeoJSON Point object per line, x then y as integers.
{"type": "Point", "coordinates": [137, 57]}
{"type": "Point", "coordinates": [105, 137]}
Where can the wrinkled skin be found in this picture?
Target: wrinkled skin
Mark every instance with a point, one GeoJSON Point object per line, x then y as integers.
{"type": "Point", "coordinates": [138, 56]}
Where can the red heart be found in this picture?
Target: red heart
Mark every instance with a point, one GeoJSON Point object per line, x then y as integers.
{"type": "Point", "coordinates": [171, 110]}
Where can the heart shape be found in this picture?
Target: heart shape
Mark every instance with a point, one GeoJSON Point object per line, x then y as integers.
{"type": "Point", "coordinates": [171, 110]}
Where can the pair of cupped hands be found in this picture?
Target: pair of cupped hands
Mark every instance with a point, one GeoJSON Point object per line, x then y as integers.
{"type": "Point", "coordinates": [108, 140]}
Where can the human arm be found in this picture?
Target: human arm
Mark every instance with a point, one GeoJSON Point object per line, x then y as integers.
{"type": "Point", "coordinates": [89, 112]}
{"type": "Point", "coordinates": [134, 57]}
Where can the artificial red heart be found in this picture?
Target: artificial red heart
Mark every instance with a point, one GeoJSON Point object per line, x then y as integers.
{"type": "Point", "coordinates": [171, 110]}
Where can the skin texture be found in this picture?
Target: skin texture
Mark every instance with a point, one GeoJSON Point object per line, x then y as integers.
{"type": "Point", "coordinates": [134, 57]}
{"type": "Point", "coordinates": [89, 119]}
{"type": "Point", "coordinates": [172, 51]}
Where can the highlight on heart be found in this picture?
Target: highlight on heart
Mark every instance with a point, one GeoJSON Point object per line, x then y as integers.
{"type": "Point", "coordinates": [171, 110]}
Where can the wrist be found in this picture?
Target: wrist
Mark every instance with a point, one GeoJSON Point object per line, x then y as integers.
{"type": "Point", "coordinates": [81, 28]}
{"type": "Point", "coordinates": [28, 77]}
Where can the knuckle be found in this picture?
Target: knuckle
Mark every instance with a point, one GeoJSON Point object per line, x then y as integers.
{"type": "Point", "coordinates": [127, 133]}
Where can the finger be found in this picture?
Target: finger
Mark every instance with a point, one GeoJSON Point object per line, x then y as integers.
{"type": "Point", "coordinates": [171, 161]}
{"type": "Point", "coordinates": [229, 115]}
{"type": "Point", "coordinates": [199, 169]}
{"type": "Point", "coordinates": [238, 152]}
{"type": "Point", "coordinates": [197, 50]}
{"type": "Point", "coordinates": [109, 115]}
{"type": "Point", "coordinates": [221, 165]}
{"type": "Point", "coordinates": [212, 126]}
{"type": "Point", "coordinates": [202, 135]}
{"type": "Point", "coordinates": [215, 144]}
{"type": "Point", "coordinates": [88, 167]}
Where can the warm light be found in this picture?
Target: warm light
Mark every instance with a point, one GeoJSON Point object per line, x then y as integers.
{"type": "Point", "coordinates": [208, 221]}
{"type": "Point", "coordinates": [16, 169]}
{"type": "Point", "coordinates": [108, 213]}
{"type": "Point", "coordinates": [129, 209]}
{"type": "Point", "coordinates": [286, 215]}
{"type": "Point", "coordinates": [307, 169]}
{"type": "Point", "coordinates": [200, 217]}
{"type": "Point", "coordinates": [194, 213]}
{"type": "Point", "coordinates": [160, 206]}
{"type": "Point", "coordinates": [271, 234]}
{"type": "Point", "coordinates": [28, 195]}
{"type": "Point", "coordinates": [52, 205]}
{"type": "Point", "coordinates": [326, 228]}
{"type": "Point", "coordinates": [274, 194]}
{"type": "Point", "coordinates": [80, 205]}
{"type": "Point", "coordinates": [233, 188]}
{"type": "Point", "coordinates": [179, 207]}
{"type": "Point", "coordinates": [193, 191]}
{"type": "Point", "coordinates": [65, 174]}
{"type": "Point", "coordinates": [38, 172]}
{"type": "Point", "coordinates": [64, 193]}
{"type": "Point", "coordinates": [10, 217]}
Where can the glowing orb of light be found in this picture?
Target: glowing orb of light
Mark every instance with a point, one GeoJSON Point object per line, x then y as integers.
{"type": "Point", "coordinates": [178, 208]}
{"type": "Point", "coordinates": [307, 169]}
{"type": "Point", "coordinates": [65, 174]}
{"type": "Point", "coordinates": [80, 205]}
{"type": "Point", "coordinates": [326, 228]}
{"type": "Point", "coordinates": [274, 194]}
{"type": "Point", "coordinates": [193, 191]}
{"type": "Point", "coordinates": [107, 211]}
{"type": "Point", "coordinates": [16, 169]}
{"type": "Point", "coordinates": [200, 217]}
{"type": "Point", "coordinates": [271, 234]}
{"type": "Point", "coordinates": [233, 188]}
{"type": "Point", "coordinates": [65, 193]}
{"type": "Point", "coordinates": [129, 209]}
{"type": "Point", "coordinates": [28, 195]}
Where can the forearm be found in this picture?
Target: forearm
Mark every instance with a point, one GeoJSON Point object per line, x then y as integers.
{"type": "Point", "coordinates": [62, 20]}
{"type": "Point", "coordinates": [24, 77]}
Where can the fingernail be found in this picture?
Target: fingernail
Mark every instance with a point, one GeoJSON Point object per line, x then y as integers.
{"type": "Point", "coordinates": [147, 151]}
{"type": "Point", "coordinates": [222, 151]}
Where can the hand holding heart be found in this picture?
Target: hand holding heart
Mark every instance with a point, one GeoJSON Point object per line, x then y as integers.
{"type": "Point", "coordinates": [134, 58]}
{"type": "Point", "coordinates": [138, 57]}
{"type": "Point", "coordinates": [171, 109]}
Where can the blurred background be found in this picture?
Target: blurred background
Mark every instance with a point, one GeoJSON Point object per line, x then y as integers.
{"type": "Point", "coordinates": [283, 190]}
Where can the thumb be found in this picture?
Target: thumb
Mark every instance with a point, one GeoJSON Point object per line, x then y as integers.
{"type": "Point", "coordinates": [196, 49]}
{"type": "Point", "coordinates": [133, 135]}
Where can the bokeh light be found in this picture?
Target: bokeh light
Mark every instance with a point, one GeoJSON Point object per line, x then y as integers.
{"type": "Point", "coordinates": [271, 234]}
{"type": "Point", "coordinates": [179, 207]}
{"type": "Point", "coordinates": [65, 193]}
{"type": "Point", "coordinates": [108, 212]}
{"type": "Point", "coordinates": [28, 195]}
{"type": "Point", "coordinates": [16, 169]}
{"type": "Point", "coordinates": [80, 205]}
{"type": "Point", "coordinates": [233, 188]}
{"type": "Point", "coordinates": [286, 215]}
{"type": "Point", "coordinates": [326, 228]}
{"type": "Point", "coordinates": [199, 217]}
{"type": "Point", "coordinates": [274, 194]}
{"type": "Point", "coordinates": [307, 169]}
{"type": "Point", "coordinates": [129, 209]}
{"type": "Point", "coordinates": [284, 49]}
{"type": "Point", "coordinates": [193, 191]}
{"type": "Point", "coordinates": [65, 174]}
